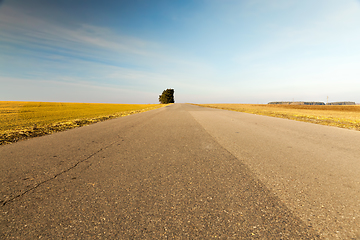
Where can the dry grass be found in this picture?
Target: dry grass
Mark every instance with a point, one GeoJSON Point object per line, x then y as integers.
{"type": "Point", "coordinates": [339, 116]}
{"type": "Point", "coordinates": [21, 120]}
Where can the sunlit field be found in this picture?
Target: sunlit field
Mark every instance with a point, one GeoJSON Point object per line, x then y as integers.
{"type": "Point", "coordinates": [19, 120]}
{"type": "Point", "coordinates": [332, 115]}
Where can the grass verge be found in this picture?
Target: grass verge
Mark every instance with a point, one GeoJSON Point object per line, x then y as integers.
{"type": "Point", "coordinates": [330, 115]}
{"type": "Point", "coordinates": [22, 120]}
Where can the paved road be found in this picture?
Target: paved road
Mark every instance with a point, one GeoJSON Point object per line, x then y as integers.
{"type": "Point", "coordinates": [183, 172]}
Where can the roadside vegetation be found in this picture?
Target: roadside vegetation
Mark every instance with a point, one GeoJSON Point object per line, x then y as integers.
{"type": "Point", "coordinates": [21, 120]}
{"type": "Point", "coordinates": [331, 115]}
{"type": "Point", "coordinates": [167, 96]}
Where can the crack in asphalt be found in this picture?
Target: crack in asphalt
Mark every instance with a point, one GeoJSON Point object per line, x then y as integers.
{"type": "Point", "coordinates": [4, 202]}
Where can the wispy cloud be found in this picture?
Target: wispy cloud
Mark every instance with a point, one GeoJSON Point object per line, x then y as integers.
{"type": "Point", "coordinates": [222, 50]}
{"type": "Point", "coordinates": [99, 56]}
{"type": "Point", "coordinates": [82, 40]}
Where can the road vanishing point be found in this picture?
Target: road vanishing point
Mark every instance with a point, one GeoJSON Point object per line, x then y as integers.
{"type": "Point", "coordinates": [184, 172]}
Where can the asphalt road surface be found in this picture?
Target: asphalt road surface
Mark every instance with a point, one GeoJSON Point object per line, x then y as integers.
{"type": "Point", "coordinates": [183, 172]}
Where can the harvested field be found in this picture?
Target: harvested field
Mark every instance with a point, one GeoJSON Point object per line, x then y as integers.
{"type": "Point", "coordinates": [331, 115]}
{"type": "Point", "coordinates": [21, 120]}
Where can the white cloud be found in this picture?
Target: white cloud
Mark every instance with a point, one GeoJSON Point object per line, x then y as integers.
{"type": "Point", "coordinates": [86, 41]}
{"type": "Point", "coordinates": [232, 56]}
{"type": "Point", "coordinates": [82, 40]}
{"type": "Point", "coordinates": [41, 49]}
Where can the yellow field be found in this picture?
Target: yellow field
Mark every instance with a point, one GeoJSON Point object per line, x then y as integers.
{"type": "Point", "coordinates": [20, 120]}
{"type": "Point", "coordinates": [332, 115]}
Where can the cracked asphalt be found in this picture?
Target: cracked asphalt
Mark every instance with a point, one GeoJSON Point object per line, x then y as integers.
{"type": "Point", "coordinates": [182, 172]}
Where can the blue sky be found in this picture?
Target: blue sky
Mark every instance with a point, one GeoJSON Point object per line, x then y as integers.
{"type": "Point", "coordinates": [209, 51]}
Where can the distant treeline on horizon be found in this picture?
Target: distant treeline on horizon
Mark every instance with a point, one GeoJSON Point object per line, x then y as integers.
{"type": "Point", "coordinates": [313, 103]}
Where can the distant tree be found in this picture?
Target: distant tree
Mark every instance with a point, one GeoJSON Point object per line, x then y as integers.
{"type": "Point", "coordinates": [167, 96]}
